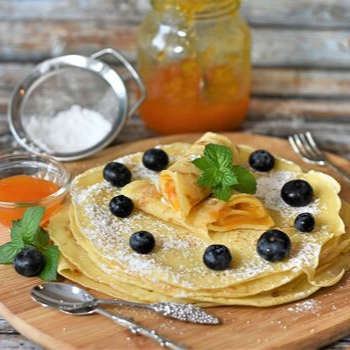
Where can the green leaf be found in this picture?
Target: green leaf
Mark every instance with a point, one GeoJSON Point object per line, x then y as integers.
{"type": "Point", "coordinates": [219, 174]}
{"type": "Point", "coordinates": [246, 180]}
{"type": "Point", "coordinates": [218, 156]}
{"type": "Point", "coordinates": [16, 233]}
{"type": "Point", "coordinates": [201, 163]}
{"type": "Point", "coordinates": [229, 178]}
{"type": "Point", "coordinates": [222, 192]}
{"type": "Point", "coordinates": [31, 222]}
{"type": "Point", "coordinates": [49, 273]}
{"type": "Point", "coordinates": [210, 177]}
{"type": "Point", "coordinates": [41, 239]}
{"type": "Point", "coordinates": [8, 251]}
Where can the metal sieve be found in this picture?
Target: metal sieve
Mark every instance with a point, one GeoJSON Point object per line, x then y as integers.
{"type": "Point", "coordinates": [57, 85]}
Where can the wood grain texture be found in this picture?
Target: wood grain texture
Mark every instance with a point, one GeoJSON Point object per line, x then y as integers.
{"type": "Point", "coordinates": [305, 13]}
{"type": "Point", "coordinates": [244, 327]}
{"type": "Point", "coordinates": [44, 38]}
{"type": "Point", "coordinates": [269, 82]}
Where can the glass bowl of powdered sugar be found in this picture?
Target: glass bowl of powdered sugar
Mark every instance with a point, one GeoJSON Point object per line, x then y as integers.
{"type": "Point", "coordinates": [72, 106]}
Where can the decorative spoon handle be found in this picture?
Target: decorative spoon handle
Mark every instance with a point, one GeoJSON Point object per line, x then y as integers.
{"type": "Point", "coordinates": [182, 312]}
{"type": "Point", "coordinates": [135, 328]}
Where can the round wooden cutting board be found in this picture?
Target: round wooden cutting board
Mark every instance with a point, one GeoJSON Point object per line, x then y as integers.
{"type": "Point", "coordinates": [307, 324]}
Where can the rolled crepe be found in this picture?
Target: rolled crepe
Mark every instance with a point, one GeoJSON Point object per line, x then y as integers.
{"type": "Point", "coordinates": [242, 211]}
{"type": "Point", "coordinates": [178, 183]}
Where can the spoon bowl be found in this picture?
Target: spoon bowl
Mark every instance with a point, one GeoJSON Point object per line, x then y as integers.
{"type": "Point", "coordinates": [61, 294]}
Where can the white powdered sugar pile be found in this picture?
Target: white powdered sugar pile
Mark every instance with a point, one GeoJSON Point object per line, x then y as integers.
{"type": "Point", "coordinates": [72, 130]}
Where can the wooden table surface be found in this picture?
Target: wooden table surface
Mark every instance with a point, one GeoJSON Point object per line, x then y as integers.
{"type": "Point", "coordinates": [301, 59]}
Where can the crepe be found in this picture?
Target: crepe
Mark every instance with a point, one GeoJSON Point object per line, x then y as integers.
{"type": "Point", "coordinates": [275, 288]}
{"type": "Point", "coordinates": [178, 184]}
{"type": "Point", "coordinates": [95, 249]}
{"type": "Point", "coordinates": [242, 211]}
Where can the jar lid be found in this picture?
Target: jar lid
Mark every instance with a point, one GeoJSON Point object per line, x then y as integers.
{"type": "Point", "coordinates": [72, 106]}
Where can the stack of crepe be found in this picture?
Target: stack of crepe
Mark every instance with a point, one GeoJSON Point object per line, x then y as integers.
{"type": "Point", "coordinates": [185, 219]}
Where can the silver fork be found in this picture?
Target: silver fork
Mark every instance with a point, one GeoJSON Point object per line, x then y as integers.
{"type": "Point", "coordinates": [305, 146]}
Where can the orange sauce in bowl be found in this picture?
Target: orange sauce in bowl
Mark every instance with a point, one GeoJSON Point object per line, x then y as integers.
{"type": "Point", "coordinates": [22, 189]}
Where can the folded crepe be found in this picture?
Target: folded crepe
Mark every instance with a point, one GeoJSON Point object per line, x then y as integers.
{"type": "Point", "coordinates": [242, 211]}
{"type": "Point", "coordinates": [178, 184]}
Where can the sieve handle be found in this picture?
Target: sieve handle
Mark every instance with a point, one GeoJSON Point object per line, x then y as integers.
{"type": "Point", "coordinates": [131, 69]}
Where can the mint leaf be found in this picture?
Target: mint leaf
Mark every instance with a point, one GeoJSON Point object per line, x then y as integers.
{"type": "Point", "coordinates": [229, 178]}
{"type": "Point", "coordinates": [222, 193]}
{"type": "Point", "coordinates": [49, 273]}
{"type": "Point", "coordinates": [201, 163]}
{"type": "Point", "coordinates": [218, 156]}
{"type": "Point", "coordinates": [41, 239]}
{"type": "Point", "coordinates": [246, 180]}
{"type": "Point", "coordinates": [16, 234]}
{"type": "Point", "coordinates": [8, 251]}
{"type": "Point", "coordinates": [219, 174]}
{"type": "Point", "coordinates": [31, 222]}
{"type": "Point", "coordinates": [210, 177]}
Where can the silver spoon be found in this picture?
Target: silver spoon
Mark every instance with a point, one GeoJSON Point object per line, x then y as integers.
{"type": "Point", "coordinates": [78, 309]}
{"type": "Point", "coordinates": [71, 295]}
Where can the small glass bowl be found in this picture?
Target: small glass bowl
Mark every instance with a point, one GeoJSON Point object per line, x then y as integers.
{"type": "Point", "coordinates": [41, 167]}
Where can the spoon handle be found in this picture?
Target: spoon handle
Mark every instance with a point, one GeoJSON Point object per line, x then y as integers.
{"type": "Point", "coordinates": [123, 303]}
{"type": "Point", "coordinates": [136, 328]}
{"type": "Point", "coordinates": [182, 312]}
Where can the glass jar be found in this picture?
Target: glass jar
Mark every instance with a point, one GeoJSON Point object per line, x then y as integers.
{"type": "Point", "coordinates": [194, 58]}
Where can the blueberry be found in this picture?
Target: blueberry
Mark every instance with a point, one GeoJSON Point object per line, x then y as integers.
{"type": "Point", "coordinates": [121, 206]}
{"type": "Point", "coordinates": [297, 193]}
{"type": "Point", "coordinates": [274, 245]}
{"type": "Point", "coordinates": [29, 262]}
{"type": "Point", "coordinates": [304, 222]}
{"type": "Point", "coordinates": [217, 257]}
{"type": "Point", "coordinates": [155, 159]}
{"type": "Point", "coordinates": [142, 242]}
{"type": "Point", "coordinates": [117, 174]}
{"type": "Point", "coordinates": [262, 160]}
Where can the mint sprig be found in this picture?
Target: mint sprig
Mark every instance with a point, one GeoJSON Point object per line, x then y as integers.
{"type": "Point", "coordinates": [220, 175]}
{"type": "Point", "coordinates": [28, 233]}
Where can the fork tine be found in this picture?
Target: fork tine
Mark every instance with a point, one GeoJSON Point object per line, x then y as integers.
{"type": "Point", "coordinates": [308, 147]}
{"type": "Point", "coordinates": [313, 144]}
{"type": "Point", "coordinates": [293, 144]}
{"type": "Point", "coordinates": [298, 147]}
{"type": "Point", "coordinates": [300, 144]}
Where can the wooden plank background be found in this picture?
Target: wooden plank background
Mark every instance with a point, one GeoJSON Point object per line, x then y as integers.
{"type": "Point", "coordinates": [301, 59]}
{"type": "Point", "coordinates": [301, 56]}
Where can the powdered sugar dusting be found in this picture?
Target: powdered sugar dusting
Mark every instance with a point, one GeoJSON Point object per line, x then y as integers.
{"type": "Point", "coordinates": [110, 236]}
{"type": "Point", "coordinates": [269, 191]}
{"type": "Point", "coordinates": [139, 171]}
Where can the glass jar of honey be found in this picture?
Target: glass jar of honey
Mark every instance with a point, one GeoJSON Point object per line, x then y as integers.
{"type": "Point", "coordinates": [194, 59]}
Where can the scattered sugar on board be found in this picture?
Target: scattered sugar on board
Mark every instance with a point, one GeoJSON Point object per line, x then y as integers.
{"type": "Point", "coordinates": [308, 306]}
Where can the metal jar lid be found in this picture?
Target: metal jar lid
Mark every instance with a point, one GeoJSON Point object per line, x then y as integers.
{"type": "Point", "coordinates": [56, 83]}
